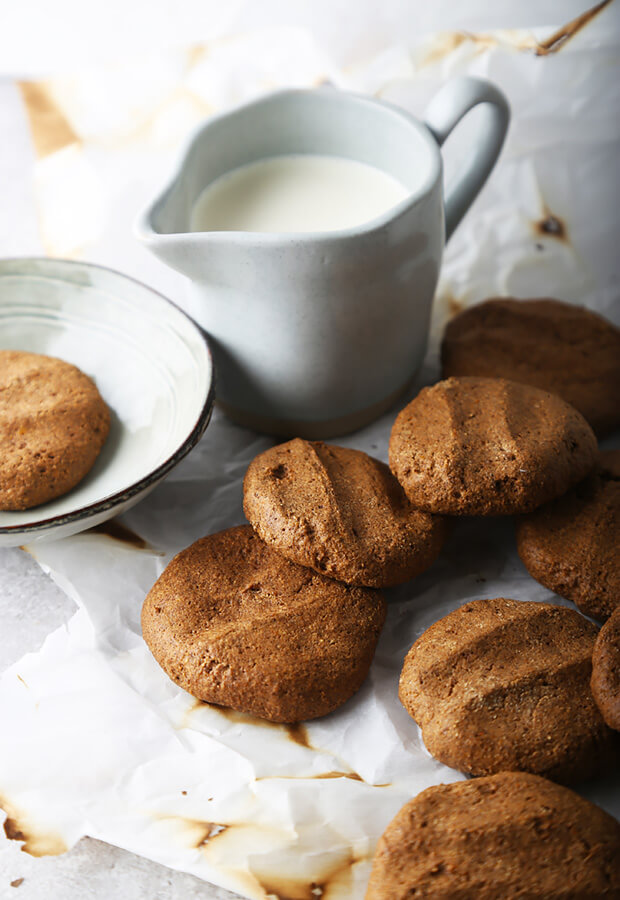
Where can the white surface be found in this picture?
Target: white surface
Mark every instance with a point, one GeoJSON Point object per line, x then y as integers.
{"type": "Point", "coordinates": [303, 192]}
{"type": "Point", "coordinates": [561, 159]}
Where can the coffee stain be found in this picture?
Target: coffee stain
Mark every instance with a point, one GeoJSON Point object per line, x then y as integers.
{"type": "Point", "coordinates": [447, 42]}
{"type": "Point", "coordinates": [353, 776]}
{"type": "Point", "coordinates": [50, 129]}
{"type": "Point", "coordinates": [34, 841]}
{"type": "Point", "coordinates": [298, 734]}
{"type": "Point", "coordinates": [455, 306]}
{"type": "Point", "coordinates": [233, 715]}
{"type": "Point", "coordinates": [119, 532]}
{"type": "Point", "coordinates": [563, 35]}
{"type": "Point", "coordinates": [334, 881]}
{"type": "Point", "coordinates": [211, 830]}
{"type": "Point", "coordinates": [192, 833]}
{"type": "Point", "coordinates": [195, 55]}
{"type": "Point", "coordinates": [552, 226]}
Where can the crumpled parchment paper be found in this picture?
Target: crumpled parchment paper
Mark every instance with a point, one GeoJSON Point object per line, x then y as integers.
{"type": "Point", "coordinates": [95, 739]}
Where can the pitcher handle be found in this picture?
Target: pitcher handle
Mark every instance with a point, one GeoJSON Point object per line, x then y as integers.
{"type": "Point", "coordinates": [445, 110]}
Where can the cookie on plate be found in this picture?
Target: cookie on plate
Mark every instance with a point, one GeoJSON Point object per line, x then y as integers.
{"type": "Point", "coordinates": [486, 446]}
{"type": "Point", "coordinates": [571, 545]}
{"type": "Point", "coordinates": [565, 349]}
{"type": "Point", "coordinates": [235, 623]}
{"type": "Point", "coordinates": [605, 681]}
{"type": "Point", "coordinates": [340, 512]}
{"type": "Point", "coordinates": [509, 835]}
{"type": "Point", "coordinates": [504, 685]}
{"type": "Point", "coordinates": [53, 424]}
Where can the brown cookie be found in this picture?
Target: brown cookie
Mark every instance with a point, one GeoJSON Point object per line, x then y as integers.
{"type": "Point", "coordinates": [605, 682]}
{"type": "Point", "coordinates": [561, 348]}
{"type": "Point", "coordinates": [508, 836]}
{"type": "Point", "coordinates": [485, 446]}
{"type": "Point", "coordinates": [339, 512]}
{"type": "Point", "coordinates": [504, 685]}
{"type": "Point", "coordinates": [234, 623]}
{"type": "Point", "coordinates": [53, 424]}
{"type": "Point", "coordinates": [571, 546]}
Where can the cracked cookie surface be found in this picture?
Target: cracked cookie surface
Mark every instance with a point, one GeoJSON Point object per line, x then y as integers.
{"type": "Point", "coordinates": [571, 545]}
{"type": "Point", "coordinates": [53, 424]}
{"type": "Point", "coordinates": [500, 685]}
{"type": "Point", "coordinates": [508, 835]}
{"type": "Point", "coordinates": [605, 681]}
{"type": "Point", "coordinates": [235, 623]}
{"type": "Point", "coordinates": [340, 512]}
{"type": "Point", "coordinates": [559, 347]}
{"type": "Point", "coordinates": [486, 446]}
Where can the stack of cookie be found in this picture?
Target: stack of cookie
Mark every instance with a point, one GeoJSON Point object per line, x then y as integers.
{"type": "Point", "coordinates": [281, 619]}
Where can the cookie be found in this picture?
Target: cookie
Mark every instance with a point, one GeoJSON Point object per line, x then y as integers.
{"type": "Point", "coordinates": [485, 446]}
{"type": "Point", "coordinates": [561, 348]}
{"type": "Point", "coordinates": [504, 685]}
{"type": "Point", "coordinates": [605, 681]}
{"type": "Point", "coordinates": [53, 424]}
{"type": "Point", "coordinates": [339, 512]}
{"type": "Point", "coordinates": [509, 835]}
{"type": "Point", "coordinates": [572, 545]}
{"type": "Point", "coordinates": [235, 623]}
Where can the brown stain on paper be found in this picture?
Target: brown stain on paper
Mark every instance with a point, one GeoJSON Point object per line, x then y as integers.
{"type": "Point", "coordinates": [35, 841]}
{"type": "Point", "coordinates": [296, 731]}
{"type": "Point", "coordinates": [211, 830]}
{"type": "Point", "coordinates": [562, 36]}
{"type": "Point", "coordinates": [449, 41]}
{"type": "Point", "coordinates": [352, 776]}
{"type": "Point", "coordinates": [455, 306]}
{"type": "Point", "coordinates": [119, 532]}
{"type": "Point", "coordinates": [50, 129]}
{"type": "Point", "coordinates": [332, 881]}
{"type": "Point", "coordinates": [551, 226]}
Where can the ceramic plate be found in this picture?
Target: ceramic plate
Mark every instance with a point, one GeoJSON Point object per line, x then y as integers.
{"type": "Point", "coordinates": [152, 366]}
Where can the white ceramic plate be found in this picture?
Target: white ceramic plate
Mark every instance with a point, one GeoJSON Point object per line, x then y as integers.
{"type": "Point", "coordinates": [151, 363]}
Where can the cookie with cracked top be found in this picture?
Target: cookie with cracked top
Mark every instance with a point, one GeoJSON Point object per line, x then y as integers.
{"type": "Point", "coordinates": [486, 446]}
{"type": "Point", "coordinates": [53, 425]}
{"type": "Point", "coordinates": [559, 347]}
{"type": "Point", "coordinates": [340, 512]}
{"type": "Point", "coordinates": [500, 685]}
{"type": "Point", "coordinates": [571, 545]}
{"type": "Point", "coordinates": [509, 835]}
{"type": "Point", "coordinates": [605, 681]}
{"type": "Point", "coordinates": [235, 623]}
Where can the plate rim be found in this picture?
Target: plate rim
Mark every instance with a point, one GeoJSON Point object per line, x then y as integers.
{"type": "Point", "coordinates": [198, 429]}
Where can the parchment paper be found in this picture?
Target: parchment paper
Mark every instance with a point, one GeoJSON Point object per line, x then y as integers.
{"type": "Point", "coordinates": [95, 739]}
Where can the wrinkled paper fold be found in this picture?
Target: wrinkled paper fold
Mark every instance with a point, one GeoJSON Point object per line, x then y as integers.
{"type": "Point", "coordinates": [95, 739]}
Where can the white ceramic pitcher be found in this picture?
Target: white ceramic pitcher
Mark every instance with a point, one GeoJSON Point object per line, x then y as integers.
{"type": "Point", "coordinates": [316, 334]}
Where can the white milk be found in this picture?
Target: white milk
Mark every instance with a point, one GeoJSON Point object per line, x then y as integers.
{"type": "Point", "coordinates": [296, 193]}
